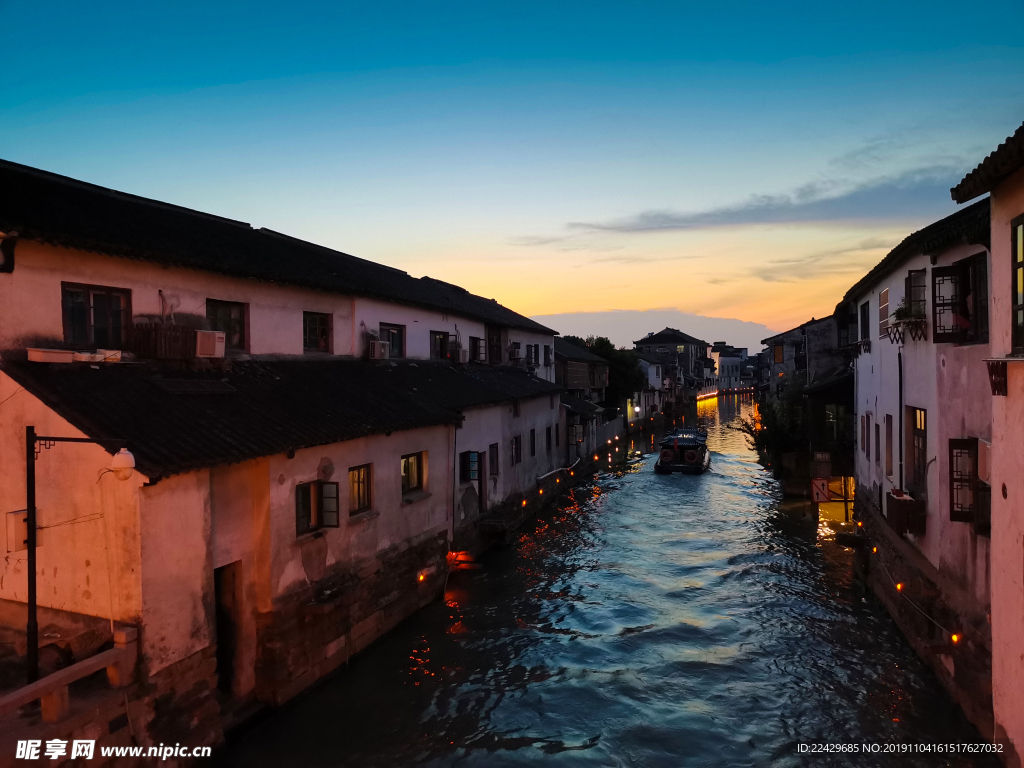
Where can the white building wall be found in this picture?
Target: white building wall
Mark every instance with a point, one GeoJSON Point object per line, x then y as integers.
{"type": "Point", "coordinates": [492, 424]}
{"type": "Point", "coordinates": [949, 382]}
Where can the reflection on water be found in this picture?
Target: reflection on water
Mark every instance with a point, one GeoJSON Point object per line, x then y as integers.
{"type": "Point", "coordinates": [647, 621]}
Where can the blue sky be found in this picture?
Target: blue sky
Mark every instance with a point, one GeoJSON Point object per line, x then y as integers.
{"type": "Point", "coordinates": [743, 160]}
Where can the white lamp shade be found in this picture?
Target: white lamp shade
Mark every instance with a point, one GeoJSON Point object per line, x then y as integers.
{"type": "Point", "coordinates": [123, 464]}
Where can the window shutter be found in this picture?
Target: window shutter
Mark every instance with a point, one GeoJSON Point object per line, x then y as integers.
{"type": "Point", "coordinates": [328, 503]}
{"type": "Point", "coordinates": [963, 479]}
{"type": "Point", "coordinates": [946, 299]}
{"type": "Point", "coordinates": [303, 509]}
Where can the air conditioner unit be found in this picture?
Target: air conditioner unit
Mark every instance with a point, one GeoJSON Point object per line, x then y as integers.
{"type": "Point", "coordinates": [379, 350]}
{"type": "Point", "coordinates": [210, 343]}
{"type": "Point", "coordinates": [463, 355]}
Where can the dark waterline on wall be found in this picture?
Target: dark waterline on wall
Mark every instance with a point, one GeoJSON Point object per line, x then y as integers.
{"type": "Point", "coordinates": [646, 621]}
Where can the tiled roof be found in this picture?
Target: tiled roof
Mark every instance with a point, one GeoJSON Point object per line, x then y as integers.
{"type": "Point", "coordinates": [570, 351]}
{"type": "Point", "coordinates": [670, 336]}
{"type": "Point", "coordinates": [812, 321]}
{"type": "Point", "coordinates": [968, 225]}
{"type": "Point", "coordinates": [994, 169]}
{"type": "Point", "coordinates": [580, 406]}
{"type": "Point", "coordinates": [175, 421]}
{"type": "Point", "coordinates": [55, 209]}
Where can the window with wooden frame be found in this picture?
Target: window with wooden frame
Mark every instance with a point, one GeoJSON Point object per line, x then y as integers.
{"type": "Point", "coordinates": [439, 345]}
{"type": "Point", "coordinates": [469, 467]}
{"type": "Point", "coordinates": [514, 351]}
{"type": "Point", "coordinates": [915, 293]}
{"type": "Point", "coordinates": [960, 301]}
{"type": "Point", "coordinates": [493, 465]}
{"type": "Point", "coordinates": [360, 498]}
{"type": "Point", "coordinates": [316, 332]}
{"type": "Point", "coordinates": [865, 319]}
{"type": "Point", "coordinates": [316, 506]}
{"type": "Point", "coordinates": [1017, 286]}
{"type": "Point", "coordinates": [477, 349]}
{"type": "Point", "coordinates": [547, 439]}
{"type": "Point", "coordinates": [517, 449]}
{"type": "Point", "coordinates": [494, 347]}
{"type": "Point", "coordinates": [780, 353]}
{"type": "Point", "coordinates": [547, 354]}
{"type": "Point", "coordinates": [878, 443]}
{"type": "Point", "coordinates": [533, 442]}
{"type": "Point", "coordinates": [888, 445]}
{"type": "Point", "coordinates": [229, 317]}
{"type": "Point", "coordinates": [394, 335]}
{"type": "Point", "coordinates": [963, 479]}
{"type": "Point", "coordinates": [868, 441]}
{"type": "Point", "coordinates": [917, 449]}
{"type": "Point", "coordinates": [883, 312]}
{"type": "Point", "coordinates": [412, 473]}
{"type": "Point", "coordinates": [95, 315]}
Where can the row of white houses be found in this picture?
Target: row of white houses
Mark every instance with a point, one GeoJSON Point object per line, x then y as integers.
{"type": "Point", "coordinates": [299, 486]}
{"type": "Point", "coordinates": [935, 333]}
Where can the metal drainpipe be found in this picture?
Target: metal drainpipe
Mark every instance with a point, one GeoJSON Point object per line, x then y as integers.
{"type": "Point", "coordinates": [899, 415]}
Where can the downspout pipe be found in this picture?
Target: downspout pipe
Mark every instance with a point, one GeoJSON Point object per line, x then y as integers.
{"type": "Point", "coordinates": [899, 415]}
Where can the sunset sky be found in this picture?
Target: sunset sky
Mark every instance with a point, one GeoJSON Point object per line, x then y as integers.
{"type": "Point", "coordinates": [743, 159]}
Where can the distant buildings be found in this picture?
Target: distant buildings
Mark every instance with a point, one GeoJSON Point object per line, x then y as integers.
{"type": "Point", "coordinates": [933, 340]}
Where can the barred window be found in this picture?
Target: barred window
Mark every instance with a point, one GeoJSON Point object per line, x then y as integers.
{"type": "Point", "coordinates": [963, 479]}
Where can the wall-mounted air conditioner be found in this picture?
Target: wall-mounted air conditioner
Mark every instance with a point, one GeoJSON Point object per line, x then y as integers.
{"type": "Point", "coordinates": [379, 350]}
{"type": "Point", "coordinates": [463, 355]}
{"type": "Point", "coordinates": [210, 343]}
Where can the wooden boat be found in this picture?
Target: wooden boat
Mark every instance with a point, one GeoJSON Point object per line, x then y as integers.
{"type": "Point", "coordinates": [685, 450]}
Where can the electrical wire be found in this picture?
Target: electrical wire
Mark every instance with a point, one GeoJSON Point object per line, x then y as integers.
{"type": "Point", "coordinates": [916, 606]}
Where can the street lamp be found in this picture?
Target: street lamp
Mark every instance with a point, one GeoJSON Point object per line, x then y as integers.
{"type": "Point", "coordinates": [122, 466]}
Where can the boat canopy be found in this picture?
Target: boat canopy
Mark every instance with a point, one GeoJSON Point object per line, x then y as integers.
{"type": "Point", "coordinates": [685, 438]}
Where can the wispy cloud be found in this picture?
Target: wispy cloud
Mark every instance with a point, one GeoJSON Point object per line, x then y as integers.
{"type": "Point", "coordinates": [913, 194]}
{"type": "Point", "coordinates": [837, 261]}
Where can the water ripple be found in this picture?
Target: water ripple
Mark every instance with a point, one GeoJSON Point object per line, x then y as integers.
{"type": "Point", "coordinates": [648, 621]}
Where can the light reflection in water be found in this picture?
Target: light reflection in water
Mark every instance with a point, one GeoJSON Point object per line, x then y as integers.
{"type": "Point", "coordinates": [646, 621]}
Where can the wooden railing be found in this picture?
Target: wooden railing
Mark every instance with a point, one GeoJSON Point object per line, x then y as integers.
{"type": "Point", "coordinates": [52, 690]}
{"type": "Point", "coordinates": [155, 341]}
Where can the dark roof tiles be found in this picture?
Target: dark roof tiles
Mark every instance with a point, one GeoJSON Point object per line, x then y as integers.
{"type": "Point", "coordinates": [968, 225]}
{"type": "Point", "coordinates": [671, 336]}
{"type": "Point", "coordinates": [570, 351]}
{"type": "Point", "coordinates": [1007, 158]}
{"type": "Point", "coordinates": [267, 406]}
{"type": "Point", "coordinates": [55, 209]}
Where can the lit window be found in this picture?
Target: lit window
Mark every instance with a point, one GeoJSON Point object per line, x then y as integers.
{"type": "Point", "coordinates": [358, 489]}
{"type": "Point", "coordinates": [412, 473]}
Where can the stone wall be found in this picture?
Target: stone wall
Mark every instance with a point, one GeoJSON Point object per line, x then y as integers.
{"type": "Point", "coordinates": [177, 705]}
{"type": "Point", "coordinates": [964, 668]}
{"type": "Point", "coordinates": [312, 631]}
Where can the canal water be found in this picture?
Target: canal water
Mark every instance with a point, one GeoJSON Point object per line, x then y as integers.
{"type": "Point", "coordinates": [647, 620]}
